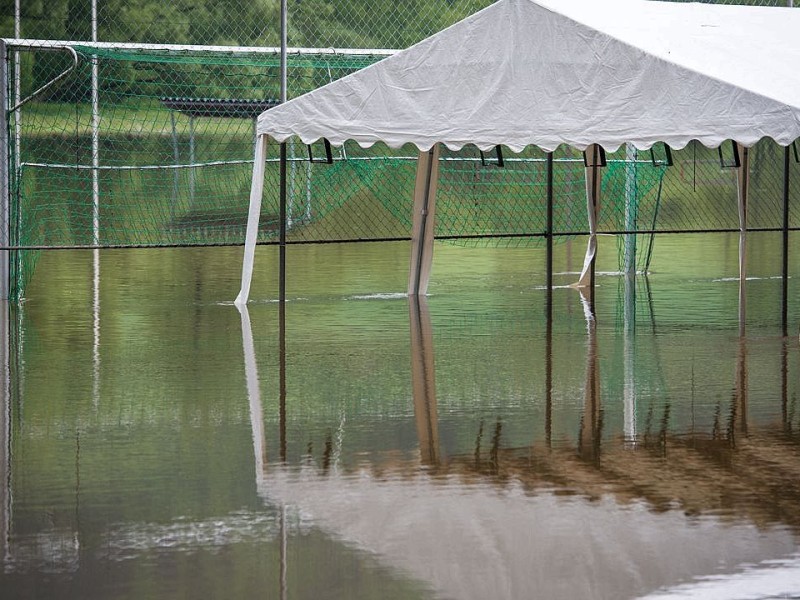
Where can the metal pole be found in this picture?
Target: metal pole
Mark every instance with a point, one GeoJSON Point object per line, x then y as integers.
{"type": "Point", "coordinates": [743, 180]}
{"type": "Point", "coordinates": [284, 44]}
{"type": "Point", "coordinates": [177, 156]}
{"type": "Point", "coordinates": [282, 228]}
{"type": "Point", "coordinates": [191, 162]}
{"type": "Point", "coordinates": [595, 186]}
{"type": "Point", "coordinates": [95, 216]}
{"type": "Point", "coordinates": [5, 231]}
{"type": "Point", "coordinates": [17, 128]}
{"type": "Point", "coordinates": [282, 242]}
{"type": "Point", "coordinates": [785, 270]}
{"type": "Point", "coordinates": [549, 225]}
{"type": "Point", "coordinates": [95, 136]}
{"type": "Point", "coordinates": [17, 85]}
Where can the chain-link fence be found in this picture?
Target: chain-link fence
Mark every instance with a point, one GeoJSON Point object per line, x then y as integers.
{"type": "Point", "coordinates": [312, 23]}
{"type": "Point", "coordinates": [163, 154]}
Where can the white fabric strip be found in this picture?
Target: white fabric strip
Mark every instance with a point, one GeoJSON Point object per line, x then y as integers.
{"type": "Point", "coordinates": [251, 237]}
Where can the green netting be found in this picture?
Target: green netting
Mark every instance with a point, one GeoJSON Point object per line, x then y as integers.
{"type": "Point", "coordinates": [176, 134]}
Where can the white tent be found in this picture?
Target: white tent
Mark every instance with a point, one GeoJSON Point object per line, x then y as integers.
{"type": "Point", "coordinates": [553, 72]}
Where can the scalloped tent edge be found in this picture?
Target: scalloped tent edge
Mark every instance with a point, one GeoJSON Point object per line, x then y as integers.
{"type": "Point", "coordinates": [548, 73]}
{"type": "Point", "coordinates": [518, 149]}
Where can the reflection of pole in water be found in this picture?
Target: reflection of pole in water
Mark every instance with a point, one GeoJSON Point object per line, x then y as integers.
{"type": "Point", "coordinates": [282, 361]}
{"type": "Point", "coordinates": [284, 548]}
{"type": "Point", "coordinates": [253, 394]}
{"type": "Point", "coordinates": [5, 432]}
{"type": "Point", "coordinates": [96, 328]}
{"type": "Point", "coordinates": [739, 408]}
{"type": "Point", "coordinates": [591, 421]}
{"type": "Point", "coordinates": [257, 425]}
{"type": "Point", "coordinates": [423, 379]}
{"type": "Point", "coordinates": [787, 426]}
{"type": "Point", "coordinates": [548, 372]}
{"type": "Point", "coordinates": [629, 386]}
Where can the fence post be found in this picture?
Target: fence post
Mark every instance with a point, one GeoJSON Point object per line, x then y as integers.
{"type": "Point", "coordinates": [785, 244]}
{"type": "Point", "coordinates": [284, 94]}
{"type": "Point", "coordinates": [95, 136]}
{"type": "Point", "coordinates": [549, 226]}
{"type": "Point", "coordinates": [5, 204]}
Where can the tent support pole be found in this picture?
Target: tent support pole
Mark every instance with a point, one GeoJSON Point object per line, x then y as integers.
{"type": "Point", "coordinates": [251, 237]}
{"type": "Point", "coordinates": [593, 180]}
{"type": "Point", "coordinates": [785, 262]}
{"type": "Point", "coordinates": [743, 181]}
{"type": "Point", "coordinates": [631, 210]}
{"type": "Point", "coordinates": [423, 219]}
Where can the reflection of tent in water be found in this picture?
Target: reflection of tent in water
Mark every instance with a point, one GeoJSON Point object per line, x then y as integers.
{"type": "Point", "coordinates": [605, 519]}
{"type": "Point", "coordinates": [589, 75]}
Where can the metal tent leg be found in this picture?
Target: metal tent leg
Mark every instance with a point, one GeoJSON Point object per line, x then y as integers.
{"type": "Point", "coordinates": [743, 181]}
{"type": "Point", "coordinates": [422, 229]}
{"type": "Point", "coordinates": [593, 181]}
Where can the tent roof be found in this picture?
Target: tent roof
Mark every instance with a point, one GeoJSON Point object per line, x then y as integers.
{"type": "Point", "coordinates": [575, 72]}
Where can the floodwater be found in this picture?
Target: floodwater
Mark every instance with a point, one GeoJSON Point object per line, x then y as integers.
{"type": "Point", "coordinates": [158, 443]}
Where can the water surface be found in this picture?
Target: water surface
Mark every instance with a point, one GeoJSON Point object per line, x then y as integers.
{"type": "Point", "coordinates": [161, 444]}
